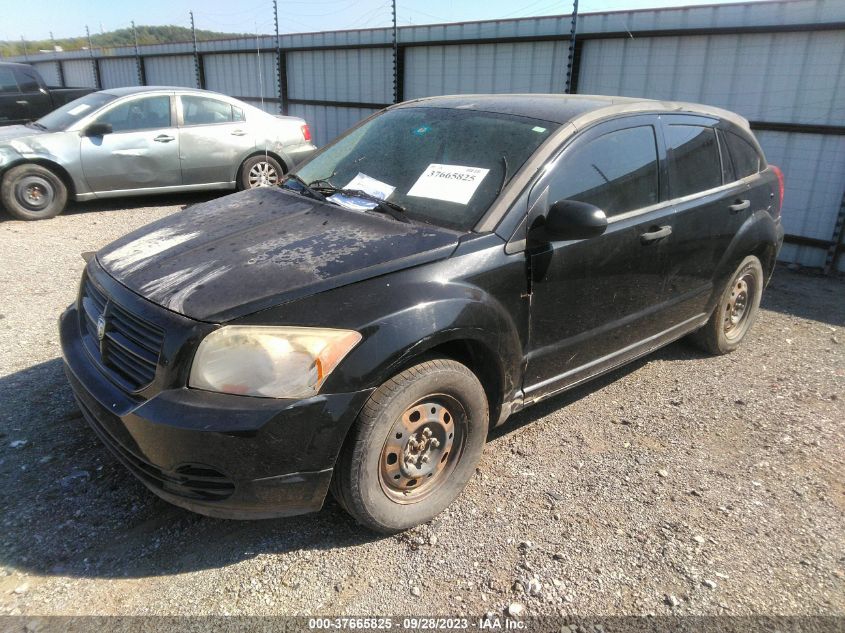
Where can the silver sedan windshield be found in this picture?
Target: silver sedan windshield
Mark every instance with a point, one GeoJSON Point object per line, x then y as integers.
{"type": "Point", "coordinates": [70, 113]}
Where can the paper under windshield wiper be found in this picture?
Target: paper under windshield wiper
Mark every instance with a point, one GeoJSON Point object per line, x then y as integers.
{"type": "Point", "coordinates": [385, 206]}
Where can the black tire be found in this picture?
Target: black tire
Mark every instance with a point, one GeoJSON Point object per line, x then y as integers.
{"type": "Point", "coordinates": [33, 192]}
{"type": "Point", "coordinates": [361, 483]}
{"type": "Point", "coordinates": [724, 332]}
{"type": "Point", "coordinates": [260, 171]}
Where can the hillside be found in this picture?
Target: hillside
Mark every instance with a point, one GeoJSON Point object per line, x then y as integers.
{"type": "Point", "coordinates": [120, 37]}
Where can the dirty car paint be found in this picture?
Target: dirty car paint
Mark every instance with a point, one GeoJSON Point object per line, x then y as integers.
{"type": "Point", "coordinates": [259, 248]}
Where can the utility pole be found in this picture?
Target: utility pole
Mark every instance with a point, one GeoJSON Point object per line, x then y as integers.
{"type": "Point", "coordinates": [25, 54]}
{"type": "Point", "coordinates": [139, 62]}
{"type": "Point", "coordinates": [570, 64]}
{"type": "Point", "coordinates": [95, 66]}
{"type": "Point", "coordinates": [197, 67]}
{"type": "Point", "coordinates": [395, 54]}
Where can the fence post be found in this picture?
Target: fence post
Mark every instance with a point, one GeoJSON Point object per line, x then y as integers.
{"type": "Point", "coordinates": [836, 240]}
{"type": "Point", "coordinates": [95, 63]}
{"type": "Point", "coordinates": [198, 66]}
{"type": "Point", "coordinates": [570, 63]}
{"type": "Point", "coordinates": [59, 68]}
{"type": "Point", "coordinates": [139, 61]}
{"type": "Point", "coordinates": [395, 33]}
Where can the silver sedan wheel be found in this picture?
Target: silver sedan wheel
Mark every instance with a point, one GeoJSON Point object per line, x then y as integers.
{"type": "Point", "coordinates": [263, 174]}
{"type": "Point", "coordinates": [34, 192]}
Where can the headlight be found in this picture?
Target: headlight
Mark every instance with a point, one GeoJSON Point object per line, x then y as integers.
{"type": "Point", "coordinates": [269, 361]}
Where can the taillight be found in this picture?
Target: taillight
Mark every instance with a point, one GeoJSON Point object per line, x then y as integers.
{"type": "Point", "coordinates": [779, 174]}
{"type": "Point", "coordinates": [306, 132]}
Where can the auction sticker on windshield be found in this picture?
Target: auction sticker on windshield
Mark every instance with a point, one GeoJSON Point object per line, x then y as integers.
{"type": "Point", "coordinates": [452, 183]}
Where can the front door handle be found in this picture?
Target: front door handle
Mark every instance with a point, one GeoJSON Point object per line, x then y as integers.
{"type": "Point", "coordinates": [658, 234]}
{"type": "Point", "coordinates": [22, 102]}
{"type": "Point", "coordinates": [739, 205]}
{"type": "Point", "coordinates": [239, 133]}
{"type": "Point", "coordinates": [164, 138]}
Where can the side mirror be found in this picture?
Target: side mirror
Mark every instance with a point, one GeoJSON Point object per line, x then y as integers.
{"type": "Point", "coordinates": [98, 129]}
{"type": "Point", "coordinates": [570, 220]}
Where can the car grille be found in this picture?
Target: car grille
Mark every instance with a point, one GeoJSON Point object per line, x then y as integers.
{"type": "Point", "coordinates": [192, 481]}
{"type": "Point", "coordinates": [130, 346]}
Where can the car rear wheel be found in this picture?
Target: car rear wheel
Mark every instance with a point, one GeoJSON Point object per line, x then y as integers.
{"type": "Point", "coordinates": [260, 171]}
{"type": "Point", "coordinates": [33, 192]}
{"type": "Point", "coordinates": [736, 311]}
{"type": "Point", "coordinates": [414, 446]}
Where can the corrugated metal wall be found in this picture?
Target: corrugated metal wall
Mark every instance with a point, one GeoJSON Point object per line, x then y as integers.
{"type": "Point", "coordinates": [242, 74]}
{"type": "Point", "coordinates": [116, 73]}
{"type": "Point", "coordinates": [777, 62]}
{"type": "Point", "coordinates": [177, 70]}
{"type": "Point", "coordinates": [80, 72]}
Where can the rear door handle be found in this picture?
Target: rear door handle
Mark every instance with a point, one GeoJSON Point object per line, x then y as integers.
{"type": "Point", "coordinates": [164, 138]}
{"type": "Point", "coordinates": [740, 205]}
{"type": "Point", "coordinates": [239, 133]}
{"type": "Point", "coordinates": [22, 102]}
{"type": "Point", "coordinates": [658, 234]}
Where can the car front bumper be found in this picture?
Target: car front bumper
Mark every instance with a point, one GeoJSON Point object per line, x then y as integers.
{"type": "Point", "coordinates": [221, 455]}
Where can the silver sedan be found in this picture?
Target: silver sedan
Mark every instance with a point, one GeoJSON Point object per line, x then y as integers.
{"type": "Point", "coordinates": [130, 141]}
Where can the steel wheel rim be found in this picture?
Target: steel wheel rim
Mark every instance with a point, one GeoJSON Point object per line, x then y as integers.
{"type": "Point", "coordinates": [422, 449]}
{"type": "Point", "coordinates": [263, 174]}
{"type": "Point", "coordinates": [738, 304]}
{"type": "Point", "coordinates": [34, 193]}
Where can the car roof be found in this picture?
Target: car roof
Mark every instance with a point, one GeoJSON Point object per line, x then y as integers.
{"type": "Point", "coordinates": [132, 90]}
{"type": "Point", "coordinates": [563, 108]}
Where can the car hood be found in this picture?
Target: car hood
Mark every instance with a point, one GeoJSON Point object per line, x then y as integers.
{"type": "Point", "coordinates": [18, 133]}
{"type": "Point", "coordinates": [252, 250]}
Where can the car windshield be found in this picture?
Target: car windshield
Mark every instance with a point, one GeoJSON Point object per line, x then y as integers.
{"type": "Point", "coordinates": [70, 113]}
{"type": "Point", "coordinates": [444, 166]}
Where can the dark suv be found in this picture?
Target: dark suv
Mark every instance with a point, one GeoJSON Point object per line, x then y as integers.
{"type": "Point", "coordinates": [447, 262]}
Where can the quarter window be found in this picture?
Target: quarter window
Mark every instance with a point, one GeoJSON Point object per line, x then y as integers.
{"type": "Point", "coordinates": [616, 172]}
{"type": "Point", "coordinates": [746, 160]}
{"type": "Point", "coordinates": [694, 159]}
{"type": "Point", "coordinates": [205, 111]}
{"type": "Point", "coordinates": [139, 114]}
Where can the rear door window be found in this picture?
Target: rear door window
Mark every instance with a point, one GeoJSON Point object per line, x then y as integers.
{"type": "Point", "coordinates": [26, 81]}
{"type": "Point", "coordinates": [616, 172]}
{"type": "Point", "coordinates": [8, 85]}
{"type": "Point", "coordinates": [205, 111]}
{"type": "Point", "coordinates": [693, 159]}
{"type": "Point", "coordinates": [745, 158]}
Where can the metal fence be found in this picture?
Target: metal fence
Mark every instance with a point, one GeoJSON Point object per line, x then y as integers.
{"type": "Point", "coordinates": [780, 64]}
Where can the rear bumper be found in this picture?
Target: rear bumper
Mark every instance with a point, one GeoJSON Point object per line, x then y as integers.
{"type": "Point", "coordinates": [300, 153]}
{"type": "Point", "coordinates": [225, 456]}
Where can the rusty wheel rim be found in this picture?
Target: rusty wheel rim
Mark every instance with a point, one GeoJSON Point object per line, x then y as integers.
{"type": "Point", "coordinates": [422, 448]}
{"type": "Point", "coordinates": [738, 304]}
{"type": "Point", "coordinates": [34, 193]}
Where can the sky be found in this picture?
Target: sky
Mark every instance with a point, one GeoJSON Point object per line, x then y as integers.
{"type": "Point", "coordinates": [35, 19]}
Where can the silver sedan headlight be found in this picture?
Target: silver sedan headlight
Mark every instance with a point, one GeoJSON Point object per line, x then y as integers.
{"type": "Point", "coordinates": [269, 361]}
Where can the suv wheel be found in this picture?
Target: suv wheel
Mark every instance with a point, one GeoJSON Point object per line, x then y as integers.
{"type": "Point", "coordinates": [33, 192]}
{"type": "Point", "coordinates": [414, 446]}
{"type": "Point", "coordinates": [736, 312]}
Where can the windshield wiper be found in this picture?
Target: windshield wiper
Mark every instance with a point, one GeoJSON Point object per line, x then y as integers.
{"type": "Point", "coordinates": [36, 124]}
{"type": "Point", "coordinates": [395, 211]}
{"type": "Point", "coordinates": [313, 193]}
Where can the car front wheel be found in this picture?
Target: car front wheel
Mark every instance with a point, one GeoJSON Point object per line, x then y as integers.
{"type": "Point", "coordinates": [413, 447]}
{"type": "Point", "coordinates": [33, 192]}
{"type": "Point", "coordinates": [736, 311]}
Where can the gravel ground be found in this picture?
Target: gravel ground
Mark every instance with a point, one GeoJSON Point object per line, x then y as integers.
{"type": "Point", "coordinates": [681, 484]}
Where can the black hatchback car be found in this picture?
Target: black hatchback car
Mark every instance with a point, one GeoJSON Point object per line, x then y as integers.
{"type": "Point", "coordinates": [447, 262]}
